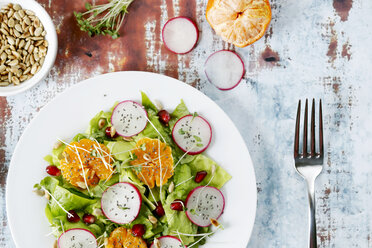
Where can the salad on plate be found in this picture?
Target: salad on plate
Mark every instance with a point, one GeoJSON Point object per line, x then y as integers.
{"type": "Point", "coordinates": [136, 178]}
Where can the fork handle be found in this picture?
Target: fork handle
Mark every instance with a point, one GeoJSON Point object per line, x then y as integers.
{"type": "Point", "coordinates": [312, 223]}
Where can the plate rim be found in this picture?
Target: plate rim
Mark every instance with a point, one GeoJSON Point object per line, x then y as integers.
{"type": "Point", "coordinates": [86, 81]}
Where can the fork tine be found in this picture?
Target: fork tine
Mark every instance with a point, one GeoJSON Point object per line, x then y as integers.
{"type": "Point", "coordinates": [312, 131]}
{"type": "Point", "coordinates": [321, 152]}
{"type": "Point", "coordinates": [297, 131]}
{"type": "Point", "coordinates": [304, 145]}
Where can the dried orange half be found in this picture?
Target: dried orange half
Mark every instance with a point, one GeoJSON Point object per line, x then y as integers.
{"type": "Point", "coordinates": [153, 162]}
{"type": "Point", "coordinates": [240, 22]}
{"type": "Point", "coordinates": [122, 237]}
{"type": "Point", "coordinates": [86, 162]}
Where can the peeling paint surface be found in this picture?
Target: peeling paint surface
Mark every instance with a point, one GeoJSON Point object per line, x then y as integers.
{"type": "Point", "coordinates": [313, 48]}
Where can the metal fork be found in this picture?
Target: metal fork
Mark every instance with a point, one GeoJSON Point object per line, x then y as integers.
{"type": "Point", "coordinates": [309, 165]}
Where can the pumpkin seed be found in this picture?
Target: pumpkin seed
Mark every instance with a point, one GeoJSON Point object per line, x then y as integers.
{"type": "Point", "coordinates": [22, 44]}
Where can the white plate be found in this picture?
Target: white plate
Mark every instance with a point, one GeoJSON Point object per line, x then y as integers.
{"type": "Point", "coordinates": [70, 113]}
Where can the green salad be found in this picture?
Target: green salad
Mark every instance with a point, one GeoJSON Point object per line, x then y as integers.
{"type": "Point", "coordinates": [136, 178]}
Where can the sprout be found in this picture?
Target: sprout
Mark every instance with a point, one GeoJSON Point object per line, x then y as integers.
{"type": "Point", "coordinates": [103, 19]}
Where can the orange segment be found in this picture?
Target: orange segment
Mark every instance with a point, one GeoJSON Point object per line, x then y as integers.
{"type": "Point", "coordinates": [153, 162]}
{"type": "Point", "coordinates": [122, 237]}
{"type": "Point", "coordinates": [91, 156]}
{"type": "Point", "coordinates": [240, 22]}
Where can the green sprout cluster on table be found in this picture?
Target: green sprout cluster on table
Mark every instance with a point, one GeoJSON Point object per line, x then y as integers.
{"type": "Point", "coordinates": [103, 19]}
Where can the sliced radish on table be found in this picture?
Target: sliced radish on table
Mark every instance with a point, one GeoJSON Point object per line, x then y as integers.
{"type": "Point", "coordinates": [129, 118]}
{"type": "Point", "coordinates": [203, 204]}
{"type": "Point", "coordinates": [224, 69]}
{"type": "Point", "coordinates": [77, 237]}
{"type": "Point", "coordinates": [121, 203]}
{"type": "Point", "coordinates": [180, 35]}
{"type": "Point", "coordinates": [192, 134]}
{"type": "Point", "coordinates": [167, 242]}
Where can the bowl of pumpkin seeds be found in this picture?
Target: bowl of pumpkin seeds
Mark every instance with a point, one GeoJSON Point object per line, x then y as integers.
{"type": "Point", "coordinates": [29, 44]}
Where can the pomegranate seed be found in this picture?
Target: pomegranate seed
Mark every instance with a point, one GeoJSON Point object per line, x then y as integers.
{"type": "Point", "coordinates": [200, 176]}
{"type": "Point", "coordinates": [177, 205]}
{"type": "Point", "coordinates": [164, 116]}
{"type": "Point", "coordinates": [73, 216]}
{"type": "Point", "coordinates": [53, 170]}
{"type": "Point", "coordinates": [89, 219]}
{"type": "Point", "coordinates": [138, 230]}
{"type": "Point", "coordinates": [159, 210]}
{"type": "Point", "coordinates": [111, 133]}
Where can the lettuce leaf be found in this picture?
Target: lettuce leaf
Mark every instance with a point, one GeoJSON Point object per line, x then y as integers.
{"type": "Point", "coordinates": [203, 163]}
{"type": "Point", "coordinates": [93, 124]}
{"type": "Point", "coordinates": [54, 158]}
{"type": "Point", "coordinates": [147, 103]}
{"type": "Point", "coordinates": [177, 220]}
{"type": "Point", "coordinates": [121, 150]}
{"type": "Point", "coordinates": [66, 198]}
{"type": "Point", "coordinates": [180, 111]}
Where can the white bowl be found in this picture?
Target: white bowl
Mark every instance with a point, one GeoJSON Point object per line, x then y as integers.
{"type": "Point", "coordinates": [50, 57]}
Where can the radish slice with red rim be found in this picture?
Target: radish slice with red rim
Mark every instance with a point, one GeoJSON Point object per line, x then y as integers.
{"type": "Point", "coordinates": [129, 118]}
{"type": "Point", "coordinates": [77, 237]}
{"type": "Point", "coordinates": [224, 69]}
{"type": "Point", "coordinates": [203, 204]}
{"type": "Point", "coordinates": [180, 35]}
{"type": "Point", "coordinates": [168, 242]}
{"type": "Point", "coordinates": [192, 134]}
{"type": "Point", "coordinates": [121, 203]}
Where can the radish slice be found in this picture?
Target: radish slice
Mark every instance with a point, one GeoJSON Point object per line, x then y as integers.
{"type": "Point", "coordinates": [77, 237]}
{"type": "Point", "coordinates": [180, 35]}
{"type": "Point", "coordinates": [224, 69]}
{"type": "Point", "coordinates": [203, 204]}
{"type": "Point", "coordinates": [129, 118]}
{"type": "Point", "coordinates": [168, 242]}
{"type": "Point", "coordinates": [121, 203]}
{"type": "Point", "coordinates": [192, 134]}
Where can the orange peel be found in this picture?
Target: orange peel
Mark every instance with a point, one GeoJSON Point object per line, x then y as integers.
{"type": "Point", "coordinates": [240, 22]}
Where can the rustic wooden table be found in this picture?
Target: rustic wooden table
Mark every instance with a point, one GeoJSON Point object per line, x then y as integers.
{"type": "Point", "coordinates": [313, 48]}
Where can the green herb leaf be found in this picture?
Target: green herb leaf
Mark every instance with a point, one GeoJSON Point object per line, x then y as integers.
{"type": "Point", "coordinates": [197, 138]}
{"type": "Point", "coordinates": [180, 131]}
{"type": "Point", "coordinates": [93, 153]}
{"type": "Point", "coordinates": [138, 169]}
{"type": "Point", "coordinates": [88, 6]}
{"type": "Point", "coordinates": [133, 156]}
{"type": "Point", "coordinates": [143, 147]}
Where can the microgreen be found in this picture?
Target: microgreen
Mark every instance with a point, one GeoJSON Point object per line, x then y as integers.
{"type": "Point", "coordinates": [138, 169]}
{"type": "Point", "coordinates": [103, 19]}
{"type": "Point", "coordinates": [143, 147]}
{"type": "Point", "coordinates": [133, 156]}
{"type": "Point", "coordinates": [195, 114]}
{"type": "Point", "coordinates": [93, 153]}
